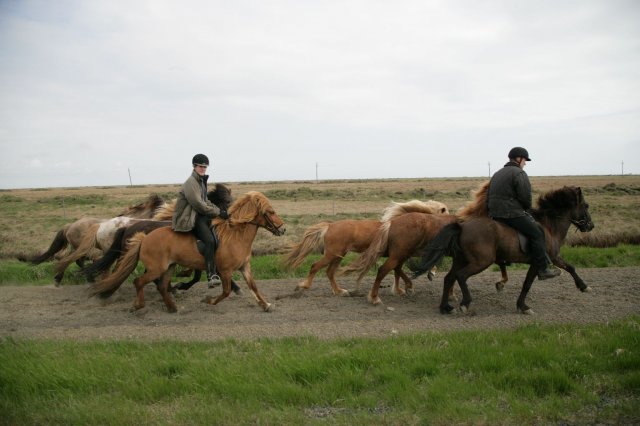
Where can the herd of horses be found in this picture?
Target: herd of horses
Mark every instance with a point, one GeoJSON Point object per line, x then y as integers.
{"type": "Point", "coordinates": [418, 234]}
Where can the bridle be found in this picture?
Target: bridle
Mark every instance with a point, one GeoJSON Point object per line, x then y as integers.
{"type": "Point", "coordinates": [270, 226]}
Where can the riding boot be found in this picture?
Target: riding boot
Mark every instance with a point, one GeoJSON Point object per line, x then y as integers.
{"type": "Point", "coordinates": [547, 272]}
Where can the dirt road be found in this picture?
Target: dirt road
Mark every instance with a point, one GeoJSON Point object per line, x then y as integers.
{"type": "Point", "coordinates": [66, 312]}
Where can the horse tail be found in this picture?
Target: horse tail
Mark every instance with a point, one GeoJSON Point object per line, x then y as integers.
{"type": "Point", "coordinates": [368, 258]}
{"type": "Point", "coordinates": [106, 287]}
{"type": "Point", "coordinates": [111, 255]}
{"type": "Point", "coordinates": [313, 239]}
{"type": "Point", "coordinates": [446, 242]}
{"type": "Point", "coordinates": [60, 242]}
{"type": "Point", "coordinates": [87, 243]}
{"type": "Point", "coordinates": [478, 206]}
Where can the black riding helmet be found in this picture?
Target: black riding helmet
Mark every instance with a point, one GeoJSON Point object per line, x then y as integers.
{"type": "Point", "coordinates": [519, 152]}
{"type": "Point", "coordinates": [200, 159]}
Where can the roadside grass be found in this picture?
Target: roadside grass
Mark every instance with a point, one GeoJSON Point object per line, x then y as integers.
{"type": "Point", "coordinates": [536, 374]}
{"type": "Point", "coordinates": [266, 267]}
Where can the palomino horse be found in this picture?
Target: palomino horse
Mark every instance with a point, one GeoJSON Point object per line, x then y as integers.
{"type": "Point", "coordinates": [338, 238]}
{"type": "Point", "coordinates": [72, 235]}
{"type": "Point", "coordinates": [220, 196]}
{"type": "Point", "coordinates": [480, 242]}
{"type": "Point", "coordinates": [161, 250]}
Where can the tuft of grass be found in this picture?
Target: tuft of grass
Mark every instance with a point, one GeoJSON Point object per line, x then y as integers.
{"type": "Point", "coordinates": [534, 374]}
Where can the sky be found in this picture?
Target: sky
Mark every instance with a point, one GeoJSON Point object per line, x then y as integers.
{"type": "Point", "coordinates": [116, 92]}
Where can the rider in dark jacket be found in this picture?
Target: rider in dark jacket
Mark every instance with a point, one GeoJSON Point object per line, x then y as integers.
{"type": "Point", "coordinates": [509, 199]}
{"type": "Point", "coordinates": [194, 213]}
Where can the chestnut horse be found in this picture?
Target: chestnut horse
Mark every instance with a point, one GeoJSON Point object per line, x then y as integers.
{"type": "Point", "coordinates": [162, 249]}
{"type": "Point", "coordinates": [220, 196]}
{"type": "Point", "coordinates": [73, 234]}
{"type": "Point", "coordinates": [338, 238]}
{"type": "Point", "coordinates": [479, 242]}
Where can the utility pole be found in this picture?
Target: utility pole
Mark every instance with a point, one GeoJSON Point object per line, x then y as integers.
{"type": "Point", "coordinates": [622, 167]}
{"type": "Point", "coordinates": [489, 163]}
{"type": "Point", "coordinates": [130, 182]}
{"type": "Point", "coordinates": [316, 172]}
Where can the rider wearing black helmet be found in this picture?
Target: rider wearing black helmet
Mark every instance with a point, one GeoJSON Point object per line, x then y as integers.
{"type": "Point", "coordinates": [194, 213]}
{"type": "Point", "coordinates": [509, 198]}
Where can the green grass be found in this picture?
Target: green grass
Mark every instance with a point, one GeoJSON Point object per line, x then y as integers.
{"type": "Point", "coordinates": [532, 375]}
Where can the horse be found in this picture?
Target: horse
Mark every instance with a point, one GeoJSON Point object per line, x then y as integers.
{"type": "Point", "coordinates": [162, 249]}
{"type": "Point", "coordinates": [399, 239]}
{"type": "Point", "coordinates": [72, 234]}
{"type": "Point", "coordinates": [342, 236]}
{"type": "Point", "coordinates": [220, 196]}
{"type": "Point", "coordinates": [477, 243]}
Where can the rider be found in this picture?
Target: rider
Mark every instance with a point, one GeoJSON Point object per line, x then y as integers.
{"type": "Point", "coordinates": [194, 213]}
{"type": "Point", "coordinates": [509, 198]}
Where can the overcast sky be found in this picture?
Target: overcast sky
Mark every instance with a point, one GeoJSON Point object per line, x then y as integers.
{"type": "Point", "coordinates": [90, 90]}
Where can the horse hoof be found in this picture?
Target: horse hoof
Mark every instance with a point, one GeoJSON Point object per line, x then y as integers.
{"type": "Point", "coordinates": [374, 300]}
{"type": "Point", "coordinates": [172, 310]}
{"type": "Point", "coordinates": [209, 300]}
{"type": "Point", "coordinates": [343, 293]}
{"type": "Point", "coordinates": [448, 309]}
{"type": "Point", "coordinates": [464, 309]}
{"type": "Point", "coordinates": [527, 311]}
{"type": "Point", "coordinates": [499, 287]}
{"type": "Point", "coordinates": [587, 289]}
{"type": "Point", "coordinates": [431, 276]}
{"type": "Point", "coordinates": [268, 307]}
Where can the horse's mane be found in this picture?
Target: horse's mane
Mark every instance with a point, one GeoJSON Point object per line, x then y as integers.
{"type": "Point", "coordinates": [478, 206]}
{"type": "Point", "coordinates": [144, 209]}
{"type": "Point", "coordinates": [560, 200]}
{"type": "Point", "coordinates": [397, 209]}
{"type": "Point", "coordinates": [243, 210]}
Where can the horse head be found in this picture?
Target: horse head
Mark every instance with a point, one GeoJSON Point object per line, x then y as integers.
{"type": "Point", "coordinates": [568, 200]}
{"type": "Point", "coordinates": [255, 208]}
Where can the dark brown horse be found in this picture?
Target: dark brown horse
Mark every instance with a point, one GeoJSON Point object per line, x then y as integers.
{"type": "Point", "coordinates": [479, 242]}
{"type": "Point", "coordinates": [342, 236]}
{"type": "Point", "coordinates": [220, 196]}
{"type": "Point", "coordinates": [162, 249]}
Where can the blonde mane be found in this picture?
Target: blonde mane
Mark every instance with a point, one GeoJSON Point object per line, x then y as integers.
{"type": "Point", "coordinates": [244, 210]}
{"type": "Point", "coordinates": [165, 212]}
{"type": "Point", "coordinates": [414, 206]}
{"type": "Point", "coordinates": [478, 206]}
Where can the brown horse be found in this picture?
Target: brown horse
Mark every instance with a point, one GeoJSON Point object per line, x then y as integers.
{"type": "Point", "coordinates": [220, 196]}
{"type": "Point", "coordinates": [72, 236]}
{"type": "Point", "coordinates": [161, 250]}
{"type": "Point", "coordinates": [398, 240]}
{"type": "Point", "coordinates": [479, 242]}
{"type": "Point", "coordinates": [340, 237]}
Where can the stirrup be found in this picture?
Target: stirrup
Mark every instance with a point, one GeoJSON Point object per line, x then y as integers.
{"type": "Point", "coordinates": [214, 281]}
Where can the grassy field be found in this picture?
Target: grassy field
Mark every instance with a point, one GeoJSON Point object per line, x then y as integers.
{"type": "Point", "coordinates": [29, 218]}
{"type": "Point", "coordinates": [533, 375]}
{"type": "Point", "coordinates": [538, 374]}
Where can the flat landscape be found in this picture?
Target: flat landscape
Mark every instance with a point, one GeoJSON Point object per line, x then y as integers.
{"type": "Point", "coordinates": [32, 217]}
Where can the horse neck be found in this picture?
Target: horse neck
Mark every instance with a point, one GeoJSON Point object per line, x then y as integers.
{"type": "Point", "coordinates": [557, 226]}
{"type": "Point", "coordinates": [239, 233]}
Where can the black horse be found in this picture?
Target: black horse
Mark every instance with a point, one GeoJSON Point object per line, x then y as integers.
{"type": "Point", "coordinates": [480, 242]}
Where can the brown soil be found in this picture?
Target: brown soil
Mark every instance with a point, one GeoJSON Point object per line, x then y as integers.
{"type": "Point", "coordinates": [66, 312]}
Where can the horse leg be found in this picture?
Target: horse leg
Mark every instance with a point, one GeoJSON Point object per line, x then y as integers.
{"type": "Point", "coordinates": [526, 286]}
{"type": "Point", "coordinates": [462, 275]}
{"type": "Point", "coordinates": [562, 264]}
{"type": "Point", "coordinates": [432, 273]}
{"type": "Point", "coordinates": [186, 286]}
{"type": "Point", "coordinates": [163, 286]}
{"type": "Point", "coordinates": [408, 284]}
{"type": "Point", "coordinates": [447, 287]}
{"type": "Point", "coordinates": [500, 284]}
{"type": "Point", "coordinates": [383, 271]}
{"type": "Point", "coordinates": [315, 268]}
{"type": "Point", "coordinates": [248, 277]}
{"type": "Point", "coordinates": [331, 274]}
{"type": "Point", "coordinates": [139, 283]}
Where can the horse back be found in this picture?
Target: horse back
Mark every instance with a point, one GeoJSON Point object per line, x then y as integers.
{"type": "Point", "coordinates": [484, 237]}
{"type": "Point", "coordinates": [163, 247]}
{"type": "Point", "coordinates": [350, 235]}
